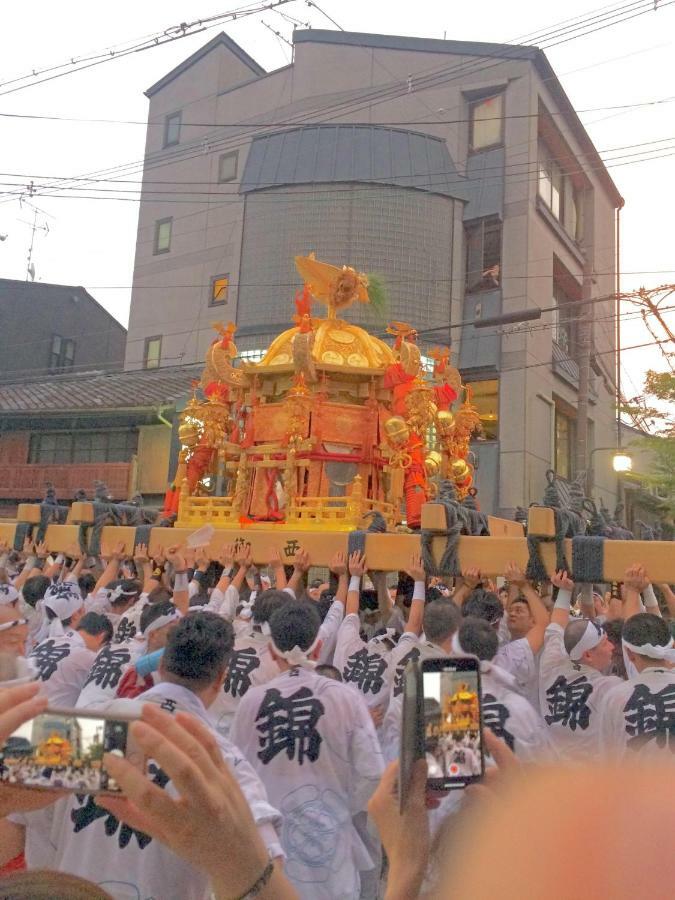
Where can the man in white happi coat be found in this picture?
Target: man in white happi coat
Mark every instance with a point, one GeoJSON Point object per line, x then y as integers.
{"type": "Point", "coordinates": [63, 663]}
{"type": "Point", "coordinates": [505, 712]}
{"type": "Point", "coordinates": [91, 842]}
{"type": "Point", "coordinates": [313, 744]}
{"type": "Point", "coordinates": [637, 717]}
{"type": "Point", "coordinates": [573, 677]}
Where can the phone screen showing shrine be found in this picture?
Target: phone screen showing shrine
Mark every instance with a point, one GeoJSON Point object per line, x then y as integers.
{"type": "Point", "coordinates": [452, 717]}
{"type": "Point", "coordinates": [64, 752]}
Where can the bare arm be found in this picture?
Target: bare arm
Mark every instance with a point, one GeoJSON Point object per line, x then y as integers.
{"type": "Point", "coordinates": [277, 567]}
{"type": "Point", "coordinates": [670, 599]}
{"type": "Point", "coordinates": [561, 609]}
{"type": "Point", "coordinates": [470, 581]}
{"type": "Point", "coordinates": [535, 636]}
{"type": "Point", "coordinates": [338, 566]}
{"type": "Point", "coordinates": [634, 582]}
{"type": "Point", "coordinates": [300, 566]}
{"type": "Point", "coordinates": [357, 566]}
{"type": "Point", "coordinates": [109, 574]}
{"type": "Point", "coordinates": [181, 594]}
{"type": "Point", "coordinates": [586, 601]}
{"type": "Point", "coordinates": [144, 565]}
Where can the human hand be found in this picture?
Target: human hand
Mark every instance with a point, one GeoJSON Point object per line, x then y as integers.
{"type": "Point", "coordinates": [226, 558]}
{"type": "Point", "coordinates": [515, 575]}
{"type": "Point", "coordinates": [27, 546]}
{"type": "Point", "coordinates": [471, 578]}
{"type": "Point", "coordinates": [301, 561]}
{"type": "Point", "coordinates": [74, 552]}
{"type": "Point", "coordinates": [189, 554]}
{"type": "Point", "coordinates": [19, 705]}
{"type": "Point", "coordinates": [243, 557]}
{"type": "Point", "coordinates": [275, 561]}
{"type": "Point", "coordinates": [40, 550]}
{"type": "Point", "coordinates": [636, 578]}
{"type": "Point", "coordinates": [338, 564]}
{"type": "Point", "coordinates": [141, 554]}
{"type": "Point", "coordinates": [210, 812]}
{"type": "Point", "coordinates": [416, 568]}
{"type": "Point", "coordinates": [160, 557]}
{"type": "Point", "coordinates": [357, 564]}
{"type": "Point", "coordinates": [404, 835]}
{"type": "Point", "coordinates": [176, 556]}
{"type": "Point", "coordinates": [562, 581]}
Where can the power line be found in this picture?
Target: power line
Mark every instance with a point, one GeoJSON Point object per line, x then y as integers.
{"type": "Point", "coordinates": [375, 96]}
{"type": "Point", "coordinates": [169, 35]}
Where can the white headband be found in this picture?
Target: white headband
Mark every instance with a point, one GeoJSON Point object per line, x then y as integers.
{"type": "Point", "coordinates": [297, 656]}
{"type": "Point", "coordinates": [665, 652]}
{"type": "Point", "coordinates": [8, 625]}
{"type": "Point", "coordinates": [590, 639]}
{"type": "Point", "coordinates": [161, 621]}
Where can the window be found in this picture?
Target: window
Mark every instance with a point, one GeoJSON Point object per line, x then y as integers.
{"type": "Point", "coordinates": [152, 353]}
{"type": "Point", "coordinates": [61, 354]}
{"type": "Point", "coordinates": [558, 192]}
{"type": "Point", "coordinates": [483, 254]}
{"type": "Point", "coordinates": [172, 129]}
{"type": "Point", "coordinates": [564, 321]}
{"type": "Point", "coordinates": [564, 444]}
{"type": "Point", "coordinates": [485, 397]}
{"type": "Point", "coordinates": [486, 123]}
{"type": "Point", "coordinates": [68, 448]}
{"type": "Point", "coordinates": [219, 287]}
{"type": "Point", "coordinates": [163, 229]}
{"type": "Point", "coordinates": [227, 166]}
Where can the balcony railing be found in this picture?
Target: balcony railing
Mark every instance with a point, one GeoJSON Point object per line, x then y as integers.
{"type": "Point", "coordinates": [27, 482]}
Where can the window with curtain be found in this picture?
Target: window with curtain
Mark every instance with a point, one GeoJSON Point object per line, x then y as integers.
{"type": "Point", "coordinates": [486, 122]}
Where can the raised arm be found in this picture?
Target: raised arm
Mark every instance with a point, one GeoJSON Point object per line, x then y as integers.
{"type": "Point", "coordinates": [357, 566]}
{"type": "Point", "coordinates": [416, 571]}
{"type": "Point", "coordinates": [181, 595]}
{"type": "Point", "coordinates": [111, 569]}
{"type": "Point", "coordinates": [277, 568]}
{"type": "Point", "coordinates": [338, 566]}
{"type": "Point", "coordinates": [144, 567]}
{"type": "Point", "coordinates": [561, 608]}
{"type": "Point", "coordinates": [470, 581]}
{"type": "Point", "coordinates": [669, 598]}
{"type": "Point", "coordinates": [301, 565]}
{"type": "Point", "coordinates": [634, 582]}
{"type": "Point", "coordinates": [535, 636]}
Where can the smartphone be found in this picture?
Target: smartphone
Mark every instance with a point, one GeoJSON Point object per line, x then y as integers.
{"type": "Point", "coordinates": [62, 750]}
{"type": "Point", "coordinates": [451, 722]}
{"type": "Point", "coordinates": [412, 731]}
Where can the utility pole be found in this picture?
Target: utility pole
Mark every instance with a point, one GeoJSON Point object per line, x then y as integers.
{"type": "Point", "coordinates": [585, 339]}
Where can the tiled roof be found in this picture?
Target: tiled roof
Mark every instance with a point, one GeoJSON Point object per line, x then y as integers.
{"type": "Point", "coordinates": [99, 390]}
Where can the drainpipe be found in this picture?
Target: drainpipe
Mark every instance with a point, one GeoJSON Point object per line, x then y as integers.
{"type": "Point", "coordinates": [161, 417]}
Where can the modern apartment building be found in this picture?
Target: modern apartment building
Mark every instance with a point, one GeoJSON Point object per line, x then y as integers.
{"type": "Point", "coordinates": [456, 171]}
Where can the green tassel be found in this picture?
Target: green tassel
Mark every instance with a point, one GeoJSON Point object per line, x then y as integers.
{"type": "Point", "coordinates": [377, 295]}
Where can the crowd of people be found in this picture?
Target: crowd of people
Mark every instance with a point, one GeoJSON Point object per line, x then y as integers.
{"type": "Point", "coordinates": [268, 705]}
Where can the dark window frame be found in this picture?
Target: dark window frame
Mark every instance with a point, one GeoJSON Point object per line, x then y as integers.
{"type": "Point", "coordinates": [476, 279]}
{"type": "Point", "coordinates": [61, 360]}
{"type": "Point", "coordinates": [167, 125]}
{"type": "Point", "coordinates": [232, 154]}
{"type": "Point", "coordinates": [49, 448]}
{"type": "Point", "coordinates": [473, 105]}
{"type": "Point", "coordinates": [146, 345]}
{"type": "Point", "coordinates": [553, 173]}
{"type": "Point", "coordinates": [157, 250]}
{"type": "Point", "coordinates": [212, 300]}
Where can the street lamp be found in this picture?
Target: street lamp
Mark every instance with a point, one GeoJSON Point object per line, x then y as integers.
{"type": "Point", "coordinates": [622, 461]}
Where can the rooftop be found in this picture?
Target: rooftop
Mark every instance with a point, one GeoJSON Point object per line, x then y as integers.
{"type": "Point", "coordinates": [42, 290]}
{"type": "Point", "coordinates": [142, 389]}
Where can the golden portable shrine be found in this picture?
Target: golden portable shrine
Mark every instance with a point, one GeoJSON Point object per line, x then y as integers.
{"type": "Point", "coordinates": [331, 425]}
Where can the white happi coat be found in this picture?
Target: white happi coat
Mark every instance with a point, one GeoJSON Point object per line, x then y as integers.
{"type": "Point", "coordinates": [571, 696]}
{"type": "Point", "coordinates": [363, 665]}
{"type": "Point", "coordinates": [409, 648]}
{"type": "Point", "coordinates": [313, 744]}
{"type": "Point", "coordinates": [509, 715]}
{"type": "Point", "coordinates": [107, 670]}
{"type": "Point", "coordinates": [63, 665]}
{"type": "Point", "coordinates": [251, 664]}
{"type": "Point", "coordinates": [517, 658]}
{"type": "Point", "coordinates": [91, 843]}
{"type": "Point", "coordinates": [637, 717]}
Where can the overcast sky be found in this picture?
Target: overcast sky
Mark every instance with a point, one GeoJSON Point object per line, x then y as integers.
{"type": "Point", "coordinates": [91, 242]}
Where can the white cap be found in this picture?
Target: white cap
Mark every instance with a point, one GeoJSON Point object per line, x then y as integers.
{"type": "Point", "coordinates": [8, 594]}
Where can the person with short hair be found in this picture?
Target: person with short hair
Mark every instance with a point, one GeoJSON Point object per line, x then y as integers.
{"type": "Point", "coordinates": [637, 717]}
{"type": "Point", "coordinates": [574, 676]}
{"type": "Point", "coordinates": [63, 663]}
{"type": "Point", "coordinates": [94, 844]}
{"type": "Point", "coordinates": [313, 744]}
{"type": "Point", "coordinates": [505, 712]}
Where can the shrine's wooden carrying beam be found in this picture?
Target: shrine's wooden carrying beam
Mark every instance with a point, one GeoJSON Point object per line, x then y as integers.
{"type": "Point", "coordinates": [387, 552]}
